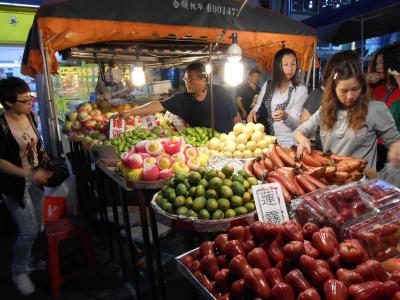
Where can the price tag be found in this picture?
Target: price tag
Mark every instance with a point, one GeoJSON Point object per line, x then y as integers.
{"type": "Point", "coordinates": [178, 123]}
{"type": "Point", "coordinates": [270, 203]}
{"type": "Point", "coordinates": [149, 121]}
{"type": "Point", "coordinates": [117, 126]}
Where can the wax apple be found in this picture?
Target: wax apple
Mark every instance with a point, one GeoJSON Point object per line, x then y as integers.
{"type": "Point", "coordinates": [324, 242]}
{"type": "Point", "coordinates": [282, 291]}
{"type": "Point", "coordinates": [220, 242]}
{"type": "Point", "coordinates": [207, 248]}
{"type": "Point", "coordinates": [371, 290]}
{"type": "Point", "coordinates": [209, 265]}
{"type": "Point", "coordinates": [258, 258]}
{"type": "Point", "coordinates": [348, 277]}
{"type": "Point", "coordinates": [233, 248]}
{"type": "Point", "coordinates": [255, 281]}
{"type": "Point", "coordinates": [297, 280]}
{"type": "Point", "coordinates": [293, 251]}
{"type": "Point", "coordinates": [239, 266]}
{"type": "Point", "coordinates": [315, 273]}
{"type": "Point", "coordinates": [237, 233]}
{"type": "Point", "coordinates": [335, 290]}
{"type": "Point", "coordinates": [274, 276]}
{"type": "Point", "coordinates": [310, 294]}
{"type": "Point", "coordinates": [352, 251]}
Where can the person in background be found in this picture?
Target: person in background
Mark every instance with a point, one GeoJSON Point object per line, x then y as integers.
{"type": "Point", "coordinates": [281, 99]}
{"type": "Point", "coordinates": [194, 106]}
{"type": "Point", "coordinates": [246, 93]}
{"type": "Point", "coordinates": [349, 122]}
{"type": "Point", "coordinates": [390, 173]}
{"type": "Point", "coordinates": [383, 88]}
{"type": "Point", "coordinates": [314, 99]}
{"type": "Point", "coordinates": [21, 179]}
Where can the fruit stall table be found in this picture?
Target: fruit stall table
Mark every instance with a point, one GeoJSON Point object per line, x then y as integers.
{"type": "Point", "coordinates": [136, 195]}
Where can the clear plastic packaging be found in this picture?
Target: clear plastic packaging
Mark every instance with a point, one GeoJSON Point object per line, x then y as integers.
{"type": "Point", "coordinates": [381, 192]}
{"type": "Point", "coordinates": [335, 206]}
{"type": "Point", "coordinates": [380, 234]}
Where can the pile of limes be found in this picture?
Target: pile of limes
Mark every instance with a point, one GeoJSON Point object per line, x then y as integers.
{"type": "Point", "coordinates": [209, 194]}
{"type": "Point", "coordinates": [198, 136]}
{"type": "Point", "coordinates": [126, 140]}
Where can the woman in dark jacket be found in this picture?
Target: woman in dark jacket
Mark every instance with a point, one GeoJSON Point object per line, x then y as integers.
{"type": "Point", "coordinates": [20, 150]}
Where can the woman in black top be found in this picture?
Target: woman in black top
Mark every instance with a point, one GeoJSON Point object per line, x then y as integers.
{"type": "Point", "coordinates": [20, 150]}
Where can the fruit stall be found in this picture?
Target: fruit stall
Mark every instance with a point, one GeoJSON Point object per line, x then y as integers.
{"type": "Point", "coordinates": [283, 226]}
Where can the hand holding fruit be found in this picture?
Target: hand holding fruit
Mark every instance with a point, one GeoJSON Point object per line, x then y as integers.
{"type": "Point", "coordinates": [303, 144]}
{"type": "Point", "coordinates": [279, 115]}
{"type": "Point", "coordinates": [252, 117]}
{"type": "Point", "coordinates": [124, 115]}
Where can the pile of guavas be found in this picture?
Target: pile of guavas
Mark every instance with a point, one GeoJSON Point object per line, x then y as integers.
{"type": "Point", "coordinates": [288, 262]}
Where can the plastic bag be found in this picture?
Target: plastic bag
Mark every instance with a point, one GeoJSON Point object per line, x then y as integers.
{"type": "Point", "coordinates": [53, 208]}
{"type": "Point", "coordinates": [66, 191]}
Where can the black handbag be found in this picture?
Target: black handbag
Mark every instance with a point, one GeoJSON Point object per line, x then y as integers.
{"type": "Point", "coordinates": [57, 166]}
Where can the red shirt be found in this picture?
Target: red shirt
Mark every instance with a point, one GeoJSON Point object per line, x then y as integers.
{"type": "Point", "coordinates": [379, 92]}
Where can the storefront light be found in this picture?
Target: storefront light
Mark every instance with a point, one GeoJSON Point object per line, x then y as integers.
{"type": "Point", "coordinates": [233, 67]}
{"type": "Point", "coordinates": [137, 76]}
{"type": "Point", "coordinates": [208, 68]}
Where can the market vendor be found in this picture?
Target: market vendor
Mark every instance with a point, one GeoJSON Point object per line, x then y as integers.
{"type": "Point", "coordinates": [246, 93]}
{"type": "Point", "coordinates": [349, 122]}
{"type": "Point", "coordinates": [194, 106]}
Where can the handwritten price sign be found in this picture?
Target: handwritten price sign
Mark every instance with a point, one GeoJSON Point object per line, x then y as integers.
{"type": "Point", "coordinates": [149, 121]}
{"type": "Point", "coordinates": [117, 126]}
{"type": "Point", "coordinates": [270, 203]}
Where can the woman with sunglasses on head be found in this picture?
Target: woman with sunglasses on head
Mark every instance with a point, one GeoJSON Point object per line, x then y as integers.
{"type": "Point", "coordinates": [281, 99]}
{"type": "Point", "coordinates": [349, 122]}
{"type": "Point", "coordinates": [20, 153]}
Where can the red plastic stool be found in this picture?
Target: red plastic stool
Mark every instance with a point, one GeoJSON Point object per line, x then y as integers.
{"type": "Point", "coordinates": [61, 230]}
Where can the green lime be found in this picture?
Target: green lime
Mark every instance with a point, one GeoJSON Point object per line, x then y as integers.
{"type": "Point", "coordinates": [223, 204]}
{"type": "Point", "coordinates": [238, 178]}
{"type": "Point", "coordinates": [167, 206]}
{"type": "Point", "coordinates": [186, 183]}
{"type": "Point", "coordinates": [182, 211]}
{"type": "Point", "coordinates": [228, 170]}
{"type": "Point", "coordinates": [200, 191]}
{"type": "Point", "coordinates": [229, 213]}
{"type": "Point", "coordinates": [161, 202]}
{"type": "Point", "coordinates": [199, 203]}
{"type": "Point", "coordinates": [203, 182]}
{"type": "Point", "coordinates": [189, 202]}
{"type": "Point", "coordinates": [211, 205]}
{"type": "Point", "coordinates": [180, 177]}
{"type": "Point", "coordinates": [227, 182]}
{"type": "Point", "coordinates": [246, 184]}
{"type": "Point", "coordinates": [250, 206]}
{"type": "Point", "coordinates": [210, 174]}
{"type": "Point", "coordinates": [247, 197]}
{"type": "Point", "coordinates": [181, 189]}
{"type": "Point", "coordinates": [225, 192]}
{"type": "Point", "coordinates": [158, 197]}
{"type": "Point", "coordinates": [221, 175]}
{"type": "Point", "coordinates": [215, 183]}
{"type": "Point", "coordinates": [210, 193]}
{"type": "Point", "coordinates": [179, 201]}
{"type": "Point", "coordinates": [192, 190]}
{"type": "Point", "coordinates": [236, 201]}
{"type": "Point", "coordinates": [165, 191]}
{"type": "Point", "coordinates": [204, 214]}
{"type": "Point", "coordinates": [171, 196]}
{"type": "Point", "coordinates": [194, 178]}
{"type": "Point", "coordinates": [191, 213]}
{"type": "Point", "coordinates": [217, 215]}
{"type": "Point", "coordinates": [241, 210]}
{"type": "Point", "coordinates": [243, 173]}
{"type": "Point", "coordinates": [237, 188]}
{"type": "Point", "coordinates": [252, 181]}
{"type": "Point", "coordinates": [201, 170]}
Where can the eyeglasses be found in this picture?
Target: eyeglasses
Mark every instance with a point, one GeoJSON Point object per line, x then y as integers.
{"type": "Point", "coordinates": [29, 100]}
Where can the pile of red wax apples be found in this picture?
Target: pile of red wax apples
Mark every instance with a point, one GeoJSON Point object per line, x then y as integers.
{"type": "Point", "coordinates": [287, 262]}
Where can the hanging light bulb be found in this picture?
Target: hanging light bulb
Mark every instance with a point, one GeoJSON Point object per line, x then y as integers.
{"type": "Point", "coordinates": [137, 76]}
{"type": "Point", "coordinates": [208, 68]}
{"type": "Point", "coordinates": [233, 67]}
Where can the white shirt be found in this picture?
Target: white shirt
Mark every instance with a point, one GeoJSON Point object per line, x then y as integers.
{"type": "Point", "coordinates": [284, 129]}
